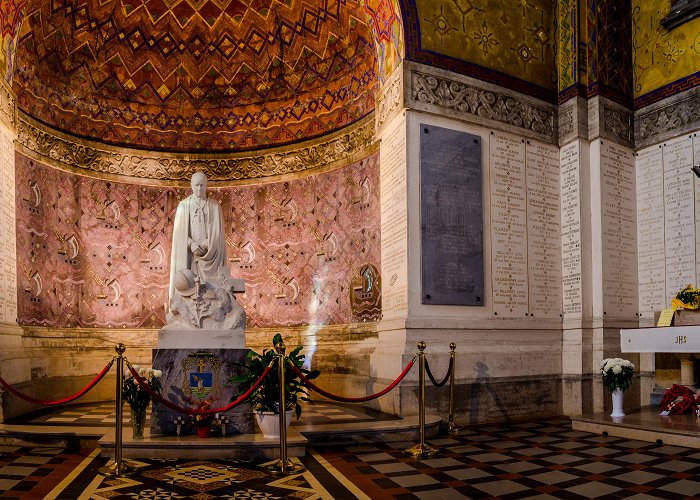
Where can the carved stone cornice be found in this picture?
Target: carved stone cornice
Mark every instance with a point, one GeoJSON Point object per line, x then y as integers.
{"type": "Point", "coordinates": [8, 111]}
{"type": "Point", "coordinates": [617, 124]}
{"type": "Point", "coordinates": [672, 117]}
{"type": "Point", "coordinates": [471, 100]}
{"type": "Point", "coordinates": [136, 166]}
{"type": "Point", "coordinates": [390, 99]}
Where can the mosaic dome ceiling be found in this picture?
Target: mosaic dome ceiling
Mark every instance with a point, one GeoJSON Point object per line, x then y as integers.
{"type": "Point", "coordinates": [196, 75]}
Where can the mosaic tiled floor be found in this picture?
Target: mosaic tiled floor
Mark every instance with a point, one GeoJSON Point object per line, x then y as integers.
{"type": "Point", "coordinates": [103, 415]}
{"type": "Point", "coordinates": [543, 459]}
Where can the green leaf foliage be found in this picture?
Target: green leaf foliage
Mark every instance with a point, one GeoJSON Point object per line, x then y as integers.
{"type": "Point", "coordinates": [266, 397]}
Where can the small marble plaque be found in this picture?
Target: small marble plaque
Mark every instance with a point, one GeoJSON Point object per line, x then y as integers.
{"type": "Point", "coordinates": [451, 217]}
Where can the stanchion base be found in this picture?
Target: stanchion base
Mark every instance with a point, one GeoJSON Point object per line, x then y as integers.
{"type": "Point", "coordinates": [117, 469]}
{"type": "Point", "coordinates": [422, 451]}
{"type": "Point", "coordinates": [453, 428]}
{"type": "Point", "coordinates": [281, 468]}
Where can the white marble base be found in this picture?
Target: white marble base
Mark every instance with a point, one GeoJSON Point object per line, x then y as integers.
{"type": "Point", "coordinates": [201, 339]}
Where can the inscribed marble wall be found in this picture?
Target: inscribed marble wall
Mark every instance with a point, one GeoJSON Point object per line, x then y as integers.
{"type": "Point", "coordinates": [8, 258]}
{"type": "Point", "coordinates": [571, 229]}
{"type": "Point", "coordinates": [618, 205]}
{"type": "Point", "coordinates": [98, 252]}
{"type": "Point", "coordinates": [668, 226]}
{"type": "Point", "coordinates": [525, 227]}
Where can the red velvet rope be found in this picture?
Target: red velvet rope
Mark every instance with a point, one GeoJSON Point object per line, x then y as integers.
{"type": "Point", "coordinates": [196, 411]}
{"type": "Point", "coordinates": [447, 377]}
{"type": "Point", "coordinates": [75, 396]}
{"type": "Point", "coordinates": [362, 399]}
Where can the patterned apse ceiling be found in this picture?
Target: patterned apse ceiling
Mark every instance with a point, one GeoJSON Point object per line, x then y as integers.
{"type": "Point", "coordinates": [197, 75]}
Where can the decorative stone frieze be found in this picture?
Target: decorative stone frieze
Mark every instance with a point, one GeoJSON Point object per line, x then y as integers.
{"type": "Point", "coordinates": [669, 118]}
{"type": "Point", "coordinates": [100, 160]}
{"type": "Point", "coordinates": [617, 122]}
{"type": "Point", "coordinates": [609, 120]}
{"type": "Point", "coordinates": [7, 105]}
{"type": "Point", "coordinates": [468, 99]}
{"type": "Point", "coordinates": [391, 99]}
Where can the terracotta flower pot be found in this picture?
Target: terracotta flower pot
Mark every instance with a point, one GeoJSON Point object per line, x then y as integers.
{"type": "Point", "coordinates": [203, 431]}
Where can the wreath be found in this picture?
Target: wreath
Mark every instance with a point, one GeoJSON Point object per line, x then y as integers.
{"type": "Point", "coordinates": [672, 405]}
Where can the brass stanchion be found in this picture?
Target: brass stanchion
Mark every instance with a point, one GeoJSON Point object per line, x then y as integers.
{"type": "Point", "coordinates": [452, 428]}
{"type": "Point", "coordinates": [283, 466]}
{"type": "Point", "coordinates": [118, 468]}
{"type": "Point", "coordinates": [421, 450]}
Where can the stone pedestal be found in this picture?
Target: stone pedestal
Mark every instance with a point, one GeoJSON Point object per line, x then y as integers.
{"type": "Point", "coordinates": [191, 375]}
{"type": "Point", "coordinates": [201, 339]}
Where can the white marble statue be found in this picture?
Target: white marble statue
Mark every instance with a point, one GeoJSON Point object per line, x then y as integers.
{"type": "Point", "coordinates": [201, 289]}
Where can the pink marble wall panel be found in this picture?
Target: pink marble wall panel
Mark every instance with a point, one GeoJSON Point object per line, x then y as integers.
{"type": "Point", "coordinates": [93, 253]}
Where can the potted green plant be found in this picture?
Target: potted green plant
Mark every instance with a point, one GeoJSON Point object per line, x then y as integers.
{"type": "Point", "coordinates": [265, 399]}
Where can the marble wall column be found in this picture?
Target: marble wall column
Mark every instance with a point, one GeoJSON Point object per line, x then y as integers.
{"type": "Point", "coordinates": [599, 247]}
{"type": "Point", "coordinates": [10, 333]}
{"type": "Point", "coordinates": [509, 339]}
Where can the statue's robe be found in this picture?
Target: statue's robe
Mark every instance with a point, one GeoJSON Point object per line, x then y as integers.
{"type": "Point", "coordinates": [212, 266]}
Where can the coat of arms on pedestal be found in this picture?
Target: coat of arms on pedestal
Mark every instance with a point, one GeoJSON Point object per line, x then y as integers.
{"type": "Point", "coordinates": [201, 379]}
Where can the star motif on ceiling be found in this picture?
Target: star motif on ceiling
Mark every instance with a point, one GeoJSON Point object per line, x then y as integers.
{"type": "Point", "coordinates": [441, 24]}
{"type": "Point", "coordinates": [484, 38]}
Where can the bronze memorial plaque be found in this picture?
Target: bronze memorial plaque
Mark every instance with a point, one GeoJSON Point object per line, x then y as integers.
{"type": "Point", "coordinates": [452, 223]}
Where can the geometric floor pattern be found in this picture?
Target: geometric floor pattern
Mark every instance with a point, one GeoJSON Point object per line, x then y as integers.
{"type": "Point", "coordinates": [104, 415]}
{"type": "Point", "coordinates": [534, 459]}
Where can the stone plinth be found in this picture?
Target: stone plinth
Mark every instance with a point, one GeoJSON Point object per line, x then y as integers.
{"type": "Point", "coordinates": [201, 339]}
{"type": "Point", "coordinates": [198, 374]}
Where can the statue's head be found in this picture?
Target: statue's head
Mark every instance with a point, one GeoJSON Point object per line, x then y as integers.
{"type": "Point", "coordinates": [199, 185]}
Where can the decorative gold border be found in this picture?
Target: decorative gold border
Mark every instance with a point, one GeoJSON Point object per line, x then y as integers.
{"type": "Point", "coordinates": [134, 166]}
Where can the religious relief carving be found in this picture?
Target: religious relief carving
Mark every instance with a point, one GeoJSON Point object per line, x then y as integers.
{"type": "Point", "coordinates": [63, 152]}
{"type": "Point", "coordinates": [618, 123]}
{"type": "Point", "coordinates": [464, 98]}
{"type": "Point", "coordinates": [668, 121]}
{"type": "Point", "coordinates": [391, 99]}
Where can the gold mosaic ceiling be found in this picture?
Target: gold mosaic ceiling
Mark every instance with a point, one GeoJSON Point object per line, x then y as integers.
{"type": "Point", "coordinates": [196, 75]}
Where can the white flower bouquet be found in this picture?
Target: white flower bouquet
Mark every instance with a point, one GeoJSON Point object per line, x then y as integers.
{"type": "Point", "coordinates": [617, 373]}
{"type": "Point", "coordinates": [133, 394]}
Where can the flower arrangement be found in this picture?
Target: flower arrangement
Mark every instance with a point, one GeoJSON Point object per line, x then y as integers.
{"type": "Point", "coordinates": [203, 420]}
{"type": "Point", "coordinates": [617, 373]}
{"type": "Point", "coordinates": [132, 392]}
{"type": "Point", "coordinates": [678, 400]}
{"type": "Point", "coordinates": [688, 298]}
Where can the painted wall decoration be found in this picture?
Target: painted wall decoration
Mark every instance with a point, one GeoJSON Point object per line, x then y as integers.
{"type": "Point", "coordinates": [386, 24]}
{"type": "Point", "coordinates": [663, 57]}
{"type": "Point", "coordinates": [595, 50]}
{"type": "Point", "coordinates": [567, 55]}
{"type": "Point", "coordinates": [610, 50]}
{"type": "Point", "coordinates": [11, 12]}
{"type": "Point", "coordinates": [185, 75]}
{"type": "Point", "coordinates": [515, 39]}
{"type": "Point", "coordinates": [98, 252]}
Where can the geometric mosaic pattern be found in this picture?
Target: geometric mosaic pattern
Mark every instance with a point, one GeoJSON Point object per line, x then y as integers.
{"type": "Point", "coordinates": [512, 45]}
{"type": "Point", "coordinates": [96, 253]}
{"type": "Point", "coordinates": [544, 459]}
{"type": "Point", "coordinates": [665, 62]}
{"type": "Point", "coordinates": [201, 75]}
{"type": "Point", "coordinates": [532, 459]}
